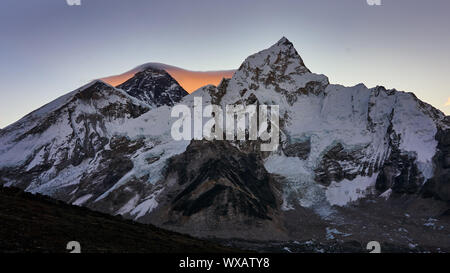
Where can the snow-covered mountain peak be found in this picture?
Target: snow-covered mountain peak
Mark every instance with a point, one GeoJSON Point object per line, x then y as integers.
{"type": "Point", "coordinates": [281, 56]}
{"type": "Point", "coordinates": [276, 75]}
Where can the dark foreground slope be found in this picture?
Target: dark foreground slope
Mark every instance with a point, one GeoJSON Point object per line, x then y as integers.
{"type": "Point", "coordinates": [36, 223]}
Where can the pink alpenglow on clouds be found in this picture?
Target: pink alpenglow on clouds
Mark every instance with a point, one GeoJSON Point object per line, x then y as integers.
{"type": "Point", "coordinates": [189, 80]}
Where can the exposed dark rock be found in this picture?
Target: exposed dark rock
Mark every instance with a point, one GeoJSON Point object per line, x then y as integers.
{"type": "Point", "coordinates": [439, 185]}
{"type": "Point", "coordinates": [252, 99]}
{"type": "Point", "coordinates": [113, 165]}
{"type": "Point", "coordinates": [154, 87]}
{"type": "Point", "coordinates": [225, 174]}
{"type": "Point", "coordinates": [217, 187]}
{"type": "Point", "coordinates": [152, 160]}
{"type": "Point", "coordinates": [399, 171]}
{"type": "Point", "coordinates": [219, 92]}
{"type": "Point", "coordinates": [335, 162]}
{"type": "Point", "coordinates": [298, 149]}
{"type": "Point", "coordinates": [313, 87]}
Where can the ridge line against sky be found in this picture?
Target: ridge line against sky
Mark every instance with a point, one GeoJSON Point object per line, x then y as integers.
{"type": "Point", "coordinates": [188, 79]}
{"type": "Point", "coordinates": [50, 48]}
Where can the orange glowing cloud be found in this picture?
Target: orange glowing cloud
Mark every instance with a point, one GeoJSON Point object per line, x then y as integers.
{"type": "Point", "coordinates": [448, 102]}
{"type": "Point", "coordinates": [189, 80]}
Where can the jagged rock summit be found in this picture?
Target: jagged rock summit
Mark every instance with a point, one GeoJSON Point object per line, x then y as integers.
{"type": "Point", "coordinates": [155, 87]}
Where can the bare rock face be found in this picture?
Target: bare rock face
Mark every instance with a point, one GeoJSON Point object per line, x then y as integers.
{"type": "Point", "coordinates": [298, 149]}
{"type": "Point", "coordinates": [154, 87]}
{"type": "Point", "coordinates": [439, 185]}
{"type": "Point", "coordinates": [219, 190]}
{"type": "Point", "coordinates": [400, 173]}
{"type": "Point", "coordinates": [332, 167]}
